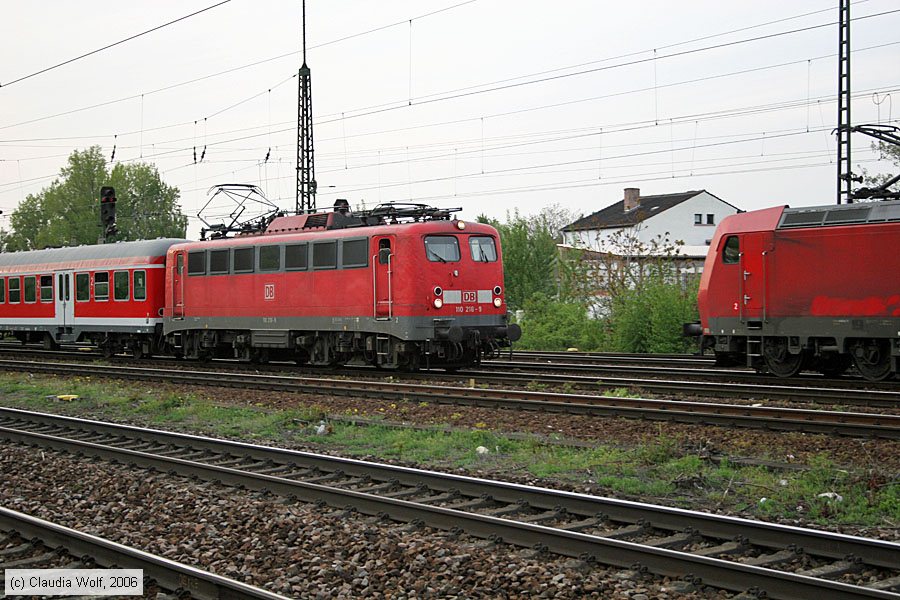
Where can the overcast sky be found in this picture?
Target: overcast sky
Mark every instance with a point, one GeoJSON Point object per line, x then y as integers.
{"type": "Point", "coordinates": [406, 105]}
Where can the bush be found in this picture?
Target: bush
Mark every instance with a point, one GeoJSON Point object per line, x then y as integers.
{"type": "Point", "coordinates": [551, 324]}
{"type": "Point", "coordinates": [649, 318]}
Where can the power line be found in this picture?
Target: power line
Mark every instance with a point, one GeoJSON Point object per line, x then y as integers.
{"type": "Point", "coordinates": [128, 39]}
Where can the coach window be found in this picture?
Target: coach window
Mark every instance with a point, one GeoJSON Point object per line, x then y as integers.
{"type": "Point", "coordinates": [354, 253]}
{"type": "Point", "coordinates": [197, 263]}
{"type": "Point", "coordinates": [269, 258]}
{"type": "Point", "coordinates": [324, 255]}
{"type": "Point", "coordinates": [218, 262]}
{"type": "Point", "coordinates": [46, 288]}
{"type": "Point", "coordinates": [140, 285]}
{"type": "Point", "coordinates": [296, 257]}
{"type": "Point", "coordinates": [30, 287]}
{"type": "Point", "coordinates": [483, 249]}
{"type": "Point", "coordinates": [732, 252]}
{"type": "Point", "coordinates": [82, 287]}
{"type": "Point", "coordinates": [243, 260]}
{"type": "Point", "coordinates": [442, 248]}
{"type": "Point", "coordinates": [15, 293]}
{"type": "Point", "coordinates": [2, 290]}
{"type": "Point", "coordinates": [120, 285]}
{"type": "Point", "coordinates": [101, 286]}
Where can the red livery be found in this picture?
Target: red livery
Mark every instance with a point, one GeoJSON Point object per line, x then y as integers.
{"type": "Point", "coordinates": [322, 288]}
{"type": "Point", "coordinates": [806, 288]}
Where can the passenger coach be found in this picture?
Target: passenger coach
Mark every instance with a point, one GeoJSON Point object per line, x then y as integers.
{"type": "Point", "coordinates": [110, 295]}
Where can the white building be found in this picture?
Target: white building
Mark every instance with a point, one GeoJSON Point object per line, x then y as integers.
{"type": "Point", "coordinates": [686, 217]}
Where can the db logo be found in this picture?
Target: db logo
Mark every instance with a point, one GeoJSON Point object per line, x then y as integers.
{"type": "Point", "coordinates": [469, 296]}
{"type": "Point", "coordinates": [269, 291]}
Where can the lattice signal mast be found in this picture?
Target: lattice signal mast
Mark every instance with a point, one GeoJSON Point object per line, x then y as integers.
{"type": "Point", "coordinates": [306, 170]}
{"type": "Point", "coordinates": [844, 167]}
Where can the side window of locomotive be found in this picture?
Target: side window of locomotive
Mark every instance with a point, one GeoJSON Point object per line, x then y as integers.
{"type": "Point", "coordinates": [269, 258]}
{"type": "Point", "coordinates": [384, 251]}
{"type": "Point", "coordinates": [120, 285]}
{"type": "Point", "coordinates": [197, 263]}
{"type": "Point", "coordinates": [47, 288]}
{"type": "Point", "coordinates": [442, 248]}
{"type": "Point", "coordinates": [179, 263]}
{"type": "Point", "coordinates": [101, 286]}
{"type": "Point", "coordinates": [354, 253]}
{"type": "Point", "coordinates": [731, 253]}
{"type": "Point", "coordinates": [15, 293]}
{"type": "Point", "coordinates": [483, 249]}
{"type": "Point", "coordinates": [296, 257]}
{"type": "Point", "coordinates": [30, 288]}
{"type": "Point", "coordinates": [2, 290]}
{"type": "Point", "coordinates": [82, 287]}
{"type": "Point", "coordinates": [243, 259]}
{"type": "Point", "coordinates": [140, 285]}
{"type": "Point", "coordinates": [324, 255]}
{"type": "Point", "coordinates": [218, 262]}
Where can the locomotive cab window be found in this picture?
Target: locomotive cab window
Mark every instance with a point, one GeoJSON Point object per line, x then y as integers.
{"type": "Point", "coordinates": [140, 285]}
{"type": "Point", "coordinates": [269, 258]}
{"type": "Point", "coordinates": [324, 255]}
{"type": "Point", "coordinates": [197, 263]}
{"type": "Point", "coordinates": [82, 287]}
{"type": "Point", "coordinates": [120, 285]}
{"type": "Point", "coordinates": [243, 260]}
{"type": "Point", "coordinates": [218, 262]}
{"type": "Point", "coordinates": [15, 293]}
{"type": "Point", "coordinates": [101, 286]}
{"type": "Point", "coordinates": [442, 248]}
{"type": "Point", "coordinates": [483, 249]}
{"type": "Point", "coordinates": [2, 290]}
{"type": "Point", "coordinates": [731, 253]}
{"type": "Point", "coordinates": [355, 253]}
{"type": "Point", "coordinates": [384, 251]}
{"type": "Point", "coordinates": [47, 288]}
{"type": "Point", "coordinates": [296, 257]}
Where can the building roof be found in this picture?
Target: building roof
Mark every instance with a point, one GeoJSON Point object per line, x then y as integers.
{"type": "Point", "coordinates": [614, 215]}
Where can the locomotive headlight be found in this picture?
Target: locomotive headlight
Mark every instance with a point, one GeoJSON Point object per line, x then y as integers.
{"type": "Point", "coordinates": [497, 290]}
{"type": "Point", "coordinates": [498, 302]}
{"type": "Point", "coordinates": [437, 290]}
{"type": "Point", "coordinates": [461, 225]}
{"type": "Point", "coordinates": [438, 303]}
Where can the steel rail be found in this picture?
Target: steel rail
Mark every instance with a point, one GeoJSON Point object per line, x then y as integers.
{"type": "Point", "coordinates": [168, 574]}
{"type": "Point", "coordinates": [812, 389]}
{"type": "Point", "coordinates": [781, 419]}
{"type": "Point", "coordinates": [617, 552]}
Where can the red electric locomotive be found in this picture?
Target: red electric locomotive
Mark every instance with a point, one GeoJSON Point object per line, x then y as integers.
{"type": "Point", "coordinates": [110, 295]}
{"type": "Point", "coordinates": [396, 287]}
{"type": "Point", "coordinates": [786, 289]}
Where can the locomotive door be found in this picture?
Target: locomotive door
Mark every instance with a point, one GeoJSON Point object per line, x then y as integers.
{"type": "Point", "coordinates": [382, 269]}
{"type": "Point", "coordinates": [65, 298]}
{"type": "Point", "coordinates": [178, 286]}
{"type": "Point", "coordinates": [754, 261]}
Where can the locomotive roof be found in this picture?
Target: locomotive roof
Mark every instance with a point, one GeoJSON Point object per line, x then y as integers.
{"type": "Point", "coordinates": [120, 250]}
{"type": "Point", "coordinates": [840, 214]}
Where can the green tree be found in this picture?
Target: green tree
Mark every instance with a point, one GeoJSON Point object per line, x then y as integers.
{"type": "Point", "coordinates": [531, 260]}
{"type": "Point", "coordinates": [67, 212]}
{"type": "Point", "coordinates": [892, 153]}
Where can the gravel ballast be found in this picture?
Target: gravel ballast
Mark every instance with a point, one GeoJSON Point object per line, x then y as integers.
{"type": "Point", "coordinates": [293, 548]}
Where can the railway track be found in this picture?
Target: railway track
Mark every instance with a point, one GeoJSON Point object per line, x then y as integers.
{"type": "Point", "coordinates": [27, 542]}
{"type": "Point", "coordinates": [582, 377]}
{"type": "Point", "coordinates": [726, 552]}
{"type": "Point", "coordinates": [731, 415]}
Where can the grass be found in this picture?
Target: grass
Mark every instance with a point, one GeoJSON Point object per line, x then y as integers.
{"type": "Point", "coordinates": [656, 470]}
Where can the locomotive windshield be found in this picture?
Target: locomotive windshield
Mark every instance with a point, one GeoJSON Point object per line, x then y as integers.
{"type": "Point", "coordinates": [442, 248]}
{"type": "Point", "coordinates": [483, 249]}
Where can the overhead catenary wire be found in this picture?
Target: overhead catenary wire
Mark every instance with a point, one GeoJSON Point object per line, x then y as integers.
{"type": "Point", "coordinates": [108, 46]}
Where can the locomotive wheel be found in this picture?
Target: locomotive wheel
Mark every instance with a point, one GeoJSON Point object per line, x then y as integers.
{"type": "Point", "coordinates": [779, 360]}
{"type": "Point", "coordinates": [872, 359]}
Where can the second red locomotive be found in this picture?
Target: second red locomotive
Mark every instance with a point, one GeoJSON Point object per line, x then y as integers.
{"type": "Point", "coordinates": [786, 289]}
